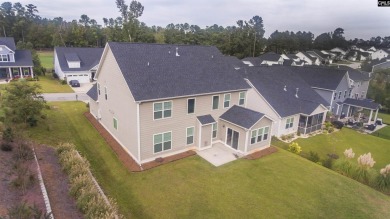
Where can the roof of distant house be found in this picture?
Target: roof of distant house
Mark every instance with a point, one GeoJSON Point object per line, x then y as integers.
{"type": "Point", "coordinates": [241, 116]}
{"type": "Point", "coordinates": [9, 42]}
{"type": "Point", "coordinates": [355, 74]}
{"type": "Point", "coordinates": [285, 91]}
{"type": "Point", "coordinates": [269, 56]}
{"type": "Point", "coordinates": [162, 71]}
{"type": "Point", "coordinates": [313, 59]}
{"type": "Point", "coordinates": [88, 57]}
{"type": "Point", "coordinates": [23, 58]}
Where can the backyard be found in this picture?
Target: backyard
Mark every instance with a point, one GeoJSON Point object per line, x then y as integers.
{"type": "Point", "coordinates": [280, 185]}
{"type": "Point", "coordinates": [46, 58]}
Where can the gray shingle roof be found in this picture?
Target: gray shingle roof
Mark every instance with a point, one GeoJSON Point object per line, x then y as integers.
{"type": "Point", "coordinates": [288, 62]}
{"type": "Point", "coordinates": [271, 81]}
{"type": "Point", "coordinates": [241, 116]}
{"type": "Point", "coordinates": [88, 57]}
{"type": "Point", "coordinates": [92, 93]}
{"type": "Point", "coordinates": [206, 119]}
{"type": "Point", "coordinates": [354, 74]}
{"type": "Point", "coordinates": [154, 71]}
{"type": "Point", "coordinates": [321, 77]}
{"type": "Point", "coordinates": [269, 56]}
{"type": "Point", "coordinates": [23, 58]}
{"type": "Point", "coordinates": [9, 42]}
{"type": "Point", "coordinates": [369, 104]}
{"type": "Point", "coordinates": [313, 59]}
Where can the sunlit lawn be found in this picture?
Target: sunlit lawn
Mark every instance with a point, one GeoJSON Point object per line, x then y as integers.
{"type": "Point", "coordinates": [46, 58]}
{"type": "Point", "coordinates": [51, 85]}
{"type": "Point", "coordinates": [281, 185]}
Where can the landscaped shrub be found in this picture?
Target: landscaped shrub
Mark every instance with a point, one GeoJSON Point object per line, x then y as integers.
{"type": "Point", "coordinates": [23, 152]}
{"type": "Point", "coordinates": [328, 163]}
{"type": "Point", "coordinates": [344, 165]}
{"type": "Point", "coordinates": [63, 82]}
{"type": "Point", "coordinates": [383, 179]}
{"type": "Point", "coordinates": [362, 172]}
{"type": "Point", "coordinates": [283, 137]}
{"type": "Point", "coordinates": [295, 148]}
{"type": "Point", "coordinates": [313, 156]}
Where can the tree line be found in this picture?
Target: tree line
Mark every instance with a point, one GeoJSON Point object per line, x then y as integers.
{"type": "Point", "coordinates": [245, 38]}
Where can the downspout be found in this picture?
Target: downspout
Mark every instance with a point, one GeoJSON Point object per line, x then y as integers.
{"type": "Point", "coordinates": [138, 136]}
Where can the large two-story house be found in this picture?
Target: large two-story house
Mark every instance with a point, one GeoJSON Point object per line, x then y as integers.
{"type": "Point", "coordinates": [14, 63]}
{"type": "Point", "coordinates": [159, 100]}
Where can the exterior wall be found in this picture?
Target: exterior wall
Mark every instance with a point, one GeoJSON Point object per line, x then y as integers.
{"type": "Point", "coordinates": [178, 123]}
{"type": "Point", "coordinates": [93, 108]}
{"type": "Point", "coordinates": [223, 127]}
{"type": "Point", "coordinates": [343, 86]}
{"type": "Point", "coordinates": [57, 68]}
{"type": "Point", "coordinates": [119, 104]}
{"type": "Point", "coordinates": [282, 127]}
{"type": "Point", "coordinates": [263, 144]}
{"type": "Point", "coordinates": [380, 54]}
{"type": "Point", "coordinates": [206, 136]}
{"type": "Point", "coordinates": [360, 88]}
{"type": "Point", "coordinates": [326, 95]}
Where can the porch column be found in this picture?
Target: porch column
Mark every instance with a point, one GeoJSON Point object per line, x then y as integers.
{"type": "Point", "coordinates": [20, 72]}
{"type": "Point", "coordinates": [307, 119]}
{"type": "Point", "coordinates": [348, 111]}
{"type": "Point", "coordinates": [369, 119]}
{"type": "Point", "coordinates": [376, 115]}
{"type": "Point", "coordinates": [337, 111]}
{"type": "Point", "coordinates": [32, 72]}
{"type": "Point", "coordinates": [10, 73]}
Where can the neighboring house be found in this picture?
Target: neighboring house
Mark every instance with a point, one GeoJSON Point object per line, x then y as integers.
{"type": "Point", "coordinates": [357, 55]}
{"type": "Point", "coordinates": [308, 59]}
{"type": "Point", "coordinates": [269, 58]}
{"type": "Point", "coordinates": [158, 100]}
{"type": "Point", "coordinates": [71, 63]}
{"type": "Point", "coordinates": [359, 82]}
{"type": "Point", "coordinates": [331, 84]}
{"type": "Point", "coordinates": [286, 98]}
{"type": "Point", "coordinates": [324, 58]}
{"type": "Point", "coordinates": [337, 49]}
{"type": "Point", "coordinates": [14, 63]}
{"type": "Point", "coordinates": [379, 54]}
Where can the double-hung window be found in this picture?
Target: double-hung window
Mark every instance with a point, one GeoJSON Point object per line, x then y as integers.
{"type": "Point", "coordinates": [190, 135]}
{"type": "Point", "coordinates": [191, 105]}
{"type": "Point", "coordinates": [215, 102]}
{"type": "Point", "coordinates": [241, 100]}
{"type": "Point", "coordinates": [290, 122]}
{"type": "Point", "coordinates": [115, 123]}
{"type": "Point", "coordinates": [226, 100]}
{"type": "Point", "coordinates": [162, 110]}
{"type": "Point", "coordinates": [162, 142]}
{"type": "Point", "coordinates": [259, 135]}
{"type": "Point", "coordinates": [4, 58]}
{"type": "Point", "coordinates": [345, 93]}
{"type": "Point", "coordinates": [215, 128]}
{"type": "Point", "coordinates": [339, 94]}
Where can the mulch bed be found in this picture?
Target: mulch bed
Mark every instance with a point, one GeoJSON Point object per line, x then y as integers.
{"type": "Point", "coordinates": [56, 183]}
{"type": "Point", "coordinates": [124, 157]}
{"type": "Point", "coordinates": [262, 153]}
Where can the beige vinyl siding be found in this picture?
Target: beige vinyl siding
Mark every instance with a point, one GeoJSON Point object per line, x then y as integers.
{"type": "Point", "coordinates": [119, 104]}
{"type": "Point", "coordinates": [206, 136]}
{"type": "Point", "coordinates": [292, 130]}
{"type": "Point", "coordinates": [93, 107]}
{"type": "Point", "coordinates": [178, 123]}
{"type": "Point", "coordinates": [223, 132]}
{"type": "Point", "coordinates": [264, 122]}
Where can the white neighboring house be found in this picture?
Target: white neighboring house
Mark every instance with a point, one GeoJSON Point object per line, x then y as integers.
{"type": "Point", "coordinates": [337, 49]}
{"type": "Point", "coordinates": [379, 54]}
{"type": "Point", "coordinates": [308, 58]}
{"type": "Point", "coordinates": [269, 58]}
{"type": "Point", "coordinates": [80, 64]}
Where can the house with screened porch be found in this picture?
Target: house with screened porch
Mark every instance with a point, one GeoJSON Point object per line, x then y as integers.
{"type": "Point", "coordinates": [14, 63]}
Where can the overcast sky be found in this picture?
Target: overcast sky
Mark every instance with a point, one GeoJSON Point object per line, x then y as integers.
{"type": "Point", "coordinates": [358, 18]}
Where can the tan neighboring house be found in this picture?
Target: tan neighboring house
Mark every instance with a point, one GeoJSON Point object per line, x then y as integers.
{"type": "Point", "coordinates": [160, 100]}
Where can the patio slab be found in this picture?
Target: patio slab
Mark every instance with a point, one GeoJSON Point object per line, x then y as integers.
{"type": "Point", "coordinates": [219, 154]}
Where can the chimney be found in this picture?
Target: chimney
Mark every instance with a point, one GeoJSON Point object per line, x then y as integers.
{"type": "Point", "coordinates": [285, 88]}
{"type": "Point", "coordinates": [177, 51]}
{"type": "Point", "coordinates": [296, 93]}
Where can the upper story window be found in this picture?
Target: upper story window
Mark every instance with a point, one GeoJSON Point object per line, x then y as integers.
{"type": "Point", "coordinates": [339, 94]}
{"type": "Point", "coordinates": [290, 122]}
{"type": "Point", "coordinates": [4, 58]}
{"type": "Point", "coordinates": [226, 100]}
{"type": "Point", "coordinates": [105, 93]}
{"type": "Point", "coordinates": [350, 93]}
{"type": "Point", "coordinates": [345, 93]}
{"type": "Point", "coordinates": [334, 96]}
{"type": "Point", "coordinates": [162, 110]}
{"type": "Point", "coordinates": [215, 102]}
{"type": "Point", "coordinates": [241, 100]}
{"type": "Point", "coordinates": [191, 105]}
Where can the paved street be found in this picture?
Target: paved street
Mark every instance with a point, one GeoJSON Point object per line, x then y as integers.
{"type": "Point", "coordinates": [65, 97]}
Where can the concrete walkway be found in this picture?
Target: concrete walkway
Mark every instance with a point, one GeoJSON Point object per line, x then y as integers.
{"type": "Point", "coordinates": [219, 154]}
{"type": "Point", "coordinates": [65, 97]}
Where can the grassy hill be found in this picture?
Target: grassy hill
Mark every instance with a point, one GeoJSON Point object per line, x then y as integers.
{"type": "Point", "coordinates": [281, 185]}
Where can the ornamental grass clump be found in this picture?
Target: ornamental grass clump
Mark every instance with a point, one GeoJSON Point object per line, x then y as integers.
{"type": "Point", "coordinates": [362, 172]}
{"type": "Point", "coordinates": [383, 179]}
{"type": "Point", "coordinates": [344, 165]}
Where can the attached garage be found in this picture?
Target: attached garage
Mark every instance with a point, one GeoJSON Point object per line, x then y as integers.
{"type": "Point", "coordinates": [81, 77]}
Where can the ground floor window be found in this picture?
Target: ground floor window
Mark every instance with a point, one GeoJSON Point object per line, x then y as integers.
{"type": "Point", "coordinates": [162, 142]}
{"type": "Point", "coordinates": [26, 71]}
{"type": "Point", "coordinates": [259, 135]}
{"type": "Point", "coordinates": [115, 122]}
{"type": "Point", "coordinates": [290, 122]}
{"type": "Point", "coordinates": [190, 135]}
{"type": "Point", "coordinates": [215, 127]}
{"type": "Point", "coordinates": [15, 72]}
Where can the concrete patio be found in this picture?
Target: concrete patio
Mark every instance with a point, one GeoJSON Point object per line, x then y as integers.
{"type": "Point", "coordinates": [219, 154]}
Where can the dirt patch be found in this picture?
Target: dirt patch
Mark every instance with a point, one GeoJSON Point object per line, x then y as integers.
{"type": "Point", "coordinates": [124, 157]}
{"type": "Point", "coordinates": [57, 184]}
{"type": "Point", "coordinates": [11, 194]}
{"type": "Point", "coordinates": [262, 153]}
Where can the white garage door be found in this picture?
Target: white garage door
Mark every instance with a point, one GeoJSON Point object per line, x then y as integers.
{"type": "Point", "coordinates": [82, 78]}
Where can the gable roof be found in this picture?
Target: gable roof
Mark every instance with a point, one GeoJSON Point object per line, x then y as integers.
{"type": "Point", "coordinates": [321, 77]}
{"type": "Point", "coordinates": [313, 59]}
{"type": "Point", "coordinates": [270, 83]}
{"type": "Point", "coordinates": [241, 116]}
{"type": "Point", "coordinates": [154, 71]}
{"type": "Point", "coordinates": [23, 58]}
{"type": "Point", "coordinates": [206, 119]}
{"type": "Point", "coordinates": [88, 57]}
{"type": "Point", "coordinates": [9, 42]}
{"type": "Point", "coordinates": [354, 74]}
{"type": "Point", "coordinates": [369, 104]}
{"type": "Point", "coordinates": [269, 56]}
{"type": "Point", "coordinates": [92, 93]}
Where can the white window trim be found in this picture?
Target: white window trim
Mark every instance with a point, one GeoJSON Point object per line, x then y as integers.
{"type": "Point", "coordinates": [193, 135]}
{"type": "Point", "coordinates": [257, 135]}
{"type": "Point", "coordinates": [224, 100]}
{"type": "Point", "coordinates": [2, 58]}
{"type": "Point", "coordinates": [162, 133]}
{"type": "Point", "coordinates": [163, 110]}
{"type": "Point", "coordinates": [238, 143]}
{"type": "Point", "coordinates": [212, 102]}
{"type": "Point", "coordinates": [117, 124]}
{"type": "Point", "coordinates": [194, 105]}
{"type": "Point", "coordinates": [239, 98]}
{"type": "Point", "coordinates": [289, 126]}
{"type": "Point", "coordinates": [212, 131]}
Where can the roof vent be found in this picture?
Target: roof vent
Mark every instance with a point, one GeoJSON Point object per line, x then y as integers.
{"type": "Point", "coordinates": [212, 56]}
{"type": "Point", "coordinates": [148, 63]}
{"type": "Point", "coordinates": [177, 51]}
{"type": "Point", "coordinates": [285, 88]}
{"type": "Point", "coordinates": [169, 51]}
{"type": "Point", "coordinates": [296, 92]}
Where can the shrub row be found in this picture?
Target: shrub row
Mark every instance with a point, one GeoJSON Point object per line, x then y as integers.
{"type": "Point", "coordinates": [82, 187]}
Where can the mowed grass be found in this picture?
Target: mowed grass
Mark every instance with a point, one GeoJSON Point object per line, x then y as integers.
{"type": "Point", "coordinates": [51, 85]}
{"type": "Point", "coordinates": [47, 59]}
{"type": "Point", "coordinates": [383, 132]}
{"type": "Point", "coordinates": [385, 117]}
{"type": "Point", "coordinates": [281, 185]}
{"type": "Point", "coordinates": [337, 142]}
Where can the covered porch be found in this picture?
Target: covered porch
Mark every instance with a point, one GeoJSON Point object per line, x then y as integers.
{"type": "Point", "coordinates": [360, 110]}
{"type": "Point", "coordinates": [10, 73]}
{"type": "Point", "coordinates": [310, 123]}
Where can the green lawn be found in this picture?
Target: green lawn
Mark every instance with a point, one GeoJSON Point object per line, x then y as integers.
{"type": "Point", "coordinates": [383, 133]}
{"type": "Point", "coordinates": [282, 185]}
{"type": "Point", "coordinates": [51, 85]}
{"type": "Point", "coordinates": [385, 117]}
{"type": "Point", "coordinates": [337, 142]}
{"type": "Point", "coordinates": [46, 58]}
